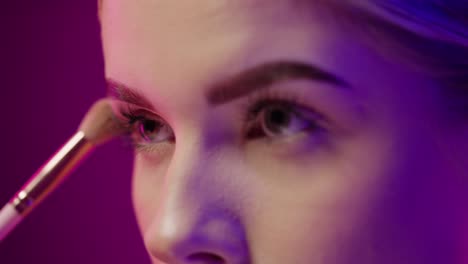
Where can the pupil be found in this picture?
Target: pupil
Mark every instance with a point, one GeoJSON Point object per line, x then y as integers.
{"type": "Point", "coordinates": [277, 118]}
{"type": "Point", "coordinates": [148, 128]}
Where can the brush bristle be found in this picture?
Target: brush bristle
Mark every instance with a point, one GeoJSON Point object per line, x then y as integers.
{"type": "Point", "coordinates": [99, 124]}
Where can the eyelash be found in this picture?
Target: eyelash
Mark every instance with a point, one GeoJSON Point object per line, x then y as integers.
{"type": "Point", "coordinates": [254, 105]}
{"type": "Point", "coordinates": [293, 102]}
{"type": "Point", "coordinates": [130, 116]}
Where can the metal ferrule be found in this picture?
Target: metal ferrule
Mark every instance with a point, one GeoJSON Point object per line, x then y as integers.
{"type": "Point", "coordinates": [52, 173]}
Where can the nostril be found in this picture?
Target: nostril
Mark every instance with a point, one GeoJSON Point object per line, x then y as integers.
{"type": "Point", "coordinates": [205, 257]}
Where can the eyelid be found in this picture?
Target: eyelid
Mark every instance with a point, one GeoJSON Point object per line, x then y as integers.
{"type": "Point", "coordinates": [292, 100]}
{"type": "Point", "coordinates": [296, 100]}
{"type": "Point", "coordinates": [339, 113]}
{"type": "Point", "coordinates": [121, 107]}
{"type": "Point", "coordinates": [140, 113]}
{"type": "Point", "coordinates": [129, 114]}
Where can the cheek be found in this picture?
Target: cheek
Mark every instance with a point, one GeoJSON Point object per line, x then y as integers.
{"type": "Point", "coordinates": [315, 206]}
{"type": "Point", "coordinates": [147, 187]}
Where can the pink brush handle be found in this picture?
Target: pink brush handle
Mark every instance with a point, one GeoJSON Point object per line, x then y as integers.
{"type": "Point", "coordinates": [9, 218]}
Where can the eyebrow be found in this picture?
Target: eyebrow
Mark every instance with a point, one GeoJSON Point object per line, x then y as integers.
{"type": "Point", "coordinates": [242, 84]}
{"type": "Point", "coordinates": [126, 94]}
{"type": "Point", "coordinates": [264, 76]}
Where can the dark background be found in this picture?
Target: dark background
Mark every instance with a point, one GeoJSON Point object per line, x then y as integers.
{"type": "Point", "coordinates": [51, 71]}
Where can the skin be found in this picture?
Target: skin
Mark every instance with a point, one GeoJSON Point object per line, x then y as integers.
{"type": "Point", "coordinates": [381, 182]}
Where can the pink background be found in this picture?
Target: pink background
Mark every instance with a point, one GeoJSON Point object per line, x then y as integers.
{"type": "Point", "coordinates": [51, 72]}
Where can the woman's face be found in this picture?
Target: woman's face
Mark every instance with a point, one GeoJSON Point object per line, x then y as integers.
{"type": "Point", "coordinates": [266, 132]}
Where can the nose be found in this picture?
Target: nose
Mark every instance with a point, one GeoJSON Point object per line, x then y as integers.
{"type": "Point", "coordinates": [196, 221]}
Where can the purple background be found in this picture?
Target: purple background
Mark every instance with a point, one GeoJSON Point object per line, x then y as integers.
{"type": "Point", "coordinates": [51, 72]}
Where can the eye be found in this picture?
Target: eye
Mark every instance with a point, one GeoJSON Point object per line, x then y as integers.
{"type": "Point", "coordinates": [151, 131]}
{"type": "Point", "coordinates": [145, 129]}
{"type": "Point", "coordinates": [277, 119]}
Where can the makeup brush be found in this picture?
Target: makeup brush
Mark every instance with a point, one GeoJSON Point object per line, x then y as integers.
{"type": "Point", "coordinates": [97, 127]}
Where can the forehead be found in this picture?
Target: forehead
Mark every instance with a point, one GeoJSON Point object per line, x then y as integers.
{"type": "Point", "coordinates": [181, 43]}
{"type": "Point", "coordinates": [167, 25]}
{"type": "Point", "coordinates": [178, 20]}
{"type": "Point", "coordinates": [185, 9]}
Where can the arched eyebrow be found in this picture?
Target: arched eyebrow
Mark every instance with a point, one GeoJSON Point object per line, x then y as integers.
{"type": "Point", "coordinates": [242, 84]}
{"type": "Point", "coordinates": [265, 75]}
